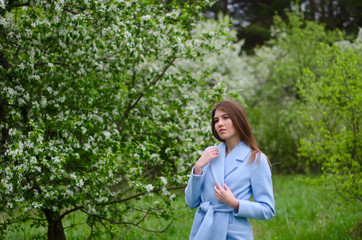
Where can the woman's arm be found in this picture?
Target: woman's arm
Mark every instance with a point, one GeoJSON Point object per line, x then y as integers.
{"type": "Point", "coordinates": [194, 187]}
{"type": "Point", "coordinates": [262, 188]}
{"type": "Point", "coordinates": [193, 190]}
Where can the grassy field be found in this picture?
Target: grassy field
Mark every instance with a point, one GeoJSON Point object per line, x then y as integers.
{"type": "Point", "coordinates": [303, 212]}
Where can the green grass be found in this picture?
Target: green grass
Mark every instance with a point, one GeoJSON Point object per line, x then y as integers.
{"type": "Point", "coordinates": [303, 212]}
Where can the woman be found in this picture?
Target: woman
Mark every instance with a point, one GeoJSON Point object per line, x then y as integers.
{"type": "Point", "coordinates": [226, 176]}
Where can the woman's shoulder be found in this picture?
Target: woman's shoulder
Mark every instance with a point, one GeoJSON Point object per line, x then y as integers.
{"type": "Point", "coordinates": [261, 161]}
{"type": "Point", "coordinates": [217, 146]}
{"type": "Point", "coordinates": [263, 156]}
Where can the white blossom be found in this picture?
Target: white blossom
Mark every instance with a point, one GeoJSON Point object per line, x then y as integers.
{"type": "Point", "coordinates": [2, 19]}
{"type": "Point", "coordinates": [107, 134]}
{"type": "Point", "coordinates": [56, 159]}
{"type": "Point", "coordinates": [37, 205]}
{"type": "Point", "coordinates": [10, 205]}
{"type": "Point", "coordinates": [163, 180]}
{"type": "Point", "coordinates": [149, 187]}
{"type": "Point", "coordinates": [172, 15]}
{"type": "Point", "coordinates": [9, 187]}
{"type": "Point", "coordinates": [22, 66]}
{"type": "Point", "coordinates": [69, 192]}
{"type": "Point", "coordinates": [12, 132]}
{"type": "Point", "coordinates": [35, 23]}
{"type": "Point", "coordinates": [80, 183]}
{"type": "Point", "coordinates": [62, 99]}
{"type": "Point", "coordinates": [165, 192]}
{"type": "Point", "coordinates": [146, 17]}
{"type": "Point", "coordinates": [40, 139]}
{"type": "Point", "coordinates": [87, 146]}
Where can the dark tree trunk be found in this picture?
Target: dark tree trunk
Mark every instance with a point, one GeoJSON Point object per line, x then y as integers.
{"type": "Point", "coordinates": [5, 130]}
{"type": "Point", "coordinates": [226, 7]}
{"type": "Point", "coordinates": [312, 10]}
{"type": "Point", "coordinates": [55, 226]}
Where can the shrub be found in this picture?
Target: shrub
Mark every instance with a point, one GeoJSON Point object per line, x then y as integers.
{"type": "Point", "coordinates": [332, 111]}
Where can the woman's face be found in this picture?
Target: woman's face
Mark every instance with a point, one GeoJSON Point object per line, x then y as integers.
{"type": "Point", "coordinates": [224, 125]}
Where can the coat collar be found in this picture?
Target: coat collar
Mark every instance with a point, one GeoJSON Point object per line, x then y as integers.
{"type": "Point", "coordinates": [239, 153]}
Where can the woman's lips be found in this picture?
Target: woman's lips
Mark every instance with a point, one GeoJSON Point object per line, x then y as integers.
{"type": "Point", "coordinates": [222, 130]}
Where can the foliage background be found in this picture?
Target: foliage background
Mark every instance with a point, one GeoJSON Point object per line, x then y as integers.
{"type": "Point", "coordinates": [105, 108]}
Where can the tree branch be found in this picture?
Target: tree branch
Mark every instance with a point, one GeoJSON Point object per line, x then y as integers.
{"type": "Point", "coordinates": [22, 220]}
{"type": "Point", "coordinates": [5, 130]}
{"type": "Point", "coordinates": [67, 9]}
{"type": "Point", "coordinates": [13, 4]}
{"type": "Point", "coordinates": [70, 11]}
{"type": "Point", "coordinates": [138, 195]}
{"type": "Point", "coordinates": [4, 62]}
{"type": "Point", "coordinates": [135, 224]}
{"type": "Point", "coordinates": [132, 104]}
{"type": "Point", "coordinates": [337, 190]}
{"type": "Point", "coordinates": [119, 200]}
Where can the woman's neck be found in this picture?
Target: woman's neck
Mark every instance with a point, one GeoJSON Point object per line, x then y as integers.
{"type": "Point", "coordinates": [230, 144]}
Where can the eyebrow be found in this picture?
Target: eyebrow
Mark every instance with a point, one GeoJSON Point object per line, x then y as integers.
{"type": "Point", "coordinates": [221, 116]}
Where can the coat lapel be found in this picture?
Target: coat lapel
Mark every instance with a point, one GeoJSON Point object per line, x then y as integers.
{"type": "Point", "coordinates": [217, 165]}
{"type": "Point", "coordinates": [239, 153]}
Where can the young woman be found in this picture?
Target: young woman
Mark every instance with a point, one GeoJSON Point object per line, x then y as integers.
{"type": "Point", "coordinates": [226, 176]}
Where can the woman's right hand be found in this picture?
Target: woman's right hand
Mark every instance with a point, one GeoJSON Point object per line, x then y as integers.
{"type": "Point", "coordinates": [208, 155]}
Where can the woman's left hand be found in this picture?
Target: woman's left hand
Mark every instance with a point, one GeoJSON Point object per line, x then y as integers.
{"type": "Point", "coordinates": [226, 196]}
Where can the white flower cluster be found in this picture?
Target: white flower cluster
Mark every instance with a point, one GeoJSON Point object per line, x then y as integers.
{"type": "Point", "coordinates": [2, 4]}
{"type": "Point", "coordinates": [3, 20]}
{"type": "Point", "coordinates": [165, 192]}
{"type": "Point", "coordinates": [163, 180]}
{"type": "Point", "coordinates": [149, 188]}
{"type": "Point", "coordinates": [146, 18]}
{"type": "Point", "coordinates": [174, 14]}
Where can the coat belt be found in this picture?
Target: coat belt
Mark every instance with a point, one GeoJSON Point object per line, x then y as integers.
{"type": "Point", "coordinates": [209, 209]}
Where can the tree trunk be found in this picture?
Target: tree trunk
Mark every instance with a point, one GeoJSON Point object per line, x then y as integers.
{"type": "Point", "coordinates": [312, 10]}
{"type": "Point", "coordinates": [55, 226]}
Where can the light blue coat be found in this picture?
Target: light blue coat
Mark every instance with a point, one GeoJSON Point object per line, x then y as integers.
{"type": "Point", "coordinates": [216, 220]}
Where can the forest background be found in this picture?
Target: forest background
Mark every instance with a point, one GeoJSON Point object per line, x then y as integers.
{"type": "Point", "coordinates": [105, 107]}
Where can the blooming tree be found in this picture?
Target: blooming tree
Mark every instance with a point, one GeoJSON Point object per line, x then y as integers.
{"type": "Point", "coordinates": [94, 111]}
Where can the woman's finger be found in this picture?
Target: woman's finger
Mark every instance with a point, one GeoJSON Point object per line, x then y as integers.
{"type": "Point", "coordinates": [219, 186]}
{"type": "Point", "coordinates": [217, 191]}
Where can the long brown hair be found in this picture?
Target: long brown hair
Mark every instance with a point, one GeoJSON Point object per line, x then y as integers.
{"type": "Point", "coordinates": [241, 124]}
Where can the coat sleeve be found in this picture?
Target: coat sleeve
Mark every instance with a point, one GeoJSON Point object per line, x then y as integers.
{"type": "Point", "coordinates": [193, 190]}
{"type": "Point", "coordinates": [262, 188]}
{"type": "Point", "coordinates": [194, 187]}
